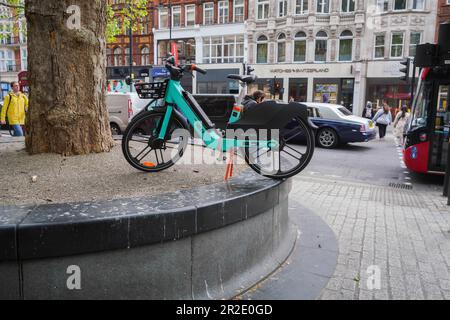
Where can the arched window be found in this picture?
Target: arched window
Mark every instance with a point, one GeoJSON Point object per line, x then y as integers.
{"type": "Point", "coordinates": [127, 56]}
{"type": "Point", "coordinates": [281, 48]}
{"type": "Point", "coordinates": [300, 47]}
{"type": "Point", "coordinates": [118, 57]}
{"type": "Point", "coordinates": [109, 57]}
{"type": "Point", "coordinates": [346, 46]}
{"type": "Point", "coordinates": [262, 49]}
{"type": "Point", "coordinates": [145, 56]}
{"type": "Point", "coordinates": [321, 46]}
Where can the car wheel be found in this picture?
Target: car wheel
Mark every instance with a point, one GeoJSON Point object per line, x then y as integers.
{"type": "Point", "coordinates": [115, 130]}
{"type": "Point", "coordinates": [327, 138]}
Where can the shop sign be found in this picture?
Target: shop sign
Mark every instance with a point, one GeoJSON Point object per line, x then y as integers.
{"type": "Point", "coordinates": [305, 70]}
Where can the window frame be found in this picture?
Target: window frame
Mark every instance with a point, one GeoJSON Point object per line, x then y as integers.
{"type": "Point", "coordinates": [420, 33]}
{"type": "Point", "coordinates": [394, 3]}
{"type": "Point", "coordinates": [176, 10]}
{"type": "Point", "coordinates": [375, 46]}
{"type": "Point", "coordinates": [235, 6]}
{"type": "Point", "coordinates": [341, 37]}
{"type": "Point", "coordinates": [347, 2]}
{"type": "Point", "coordinates": [326, 47]}
{"type": "Point", "coordinates": [160, 11]}
{"type": "Point", "coordinates": [187, 10]}
{"type": "Point", "coordinates": [262, 42]}
{"type": "Point", "coordinates": [209, 10]}
{"type": "Point", "coordinates": [300, 39]}
{"type": "Point", "coordinates": [265, 6]}
{"type": "Point", "coordinates": [323, 4]}
{"type": "Point", "coordinates": [392, 44]}
{"type": "Point", "coordinates": [302, 7]}
{"type": "Point", "coordinates": [225, 18]}
{"type": "Point", "coordinates": [283, 42]}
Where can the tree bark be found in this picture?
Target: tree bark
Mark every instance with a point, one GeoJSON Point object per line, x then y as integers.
{"type": "Point", "coordinates": [67, 78]}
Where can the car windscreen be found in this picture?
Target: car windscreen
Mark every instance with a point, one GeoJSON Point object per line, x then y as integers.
{"type": "Point", "coordinates": [344, 111]}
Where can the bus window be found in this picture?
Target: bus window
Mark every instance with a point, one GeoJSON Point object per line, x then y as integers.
{"type": "Point", "coordinates": [442, 116]}
{"type": "Point", "coordinates": [439, 138]}
{"type": "Point", "coordinates": [421, 105]}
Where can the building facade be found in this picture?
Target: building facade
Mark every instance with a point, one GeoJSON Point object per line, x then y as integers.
{"type": "Point", "coordinates": [394, 28]}
{"type": "Point", "coordinates": [13, 49]}
{"type": "Point", "coordinates": [118, 52]}
{"type": "Point", "coordinates": [443, 13]}
{"type": "Point", "coordinates": [211, 34]}
{"type": "Point", "coordinates": [338, 51]}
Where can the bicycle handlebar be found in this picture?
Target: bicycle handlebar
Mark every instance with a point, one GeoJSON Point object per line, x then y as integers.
{"type": "Point", "coordinates": [196, 68]}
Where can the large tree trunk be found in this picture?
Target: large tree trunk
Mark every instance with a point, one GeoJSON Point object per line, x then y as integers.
{"type": "Point", "coordinates": [67, 77]}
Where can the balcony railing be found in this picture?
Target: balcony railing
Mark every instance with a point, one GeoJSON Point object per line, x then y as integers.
{"type": "Point", "coordinates": [10, 68]}
{"type": "Point", "coordinates": [5, 40]}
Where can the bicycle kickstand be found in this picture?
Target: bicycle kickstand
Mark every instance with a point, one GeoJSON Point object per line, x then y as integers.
{"type": "Point", "coordinates": [230, 166]}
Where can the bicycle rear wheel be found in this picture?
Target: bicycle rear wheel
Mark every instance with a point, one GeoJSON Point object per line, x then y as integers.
{"type": "Point", "coordinates": [295, 151]}
{"type": "Point", "coordinates": [144, 150]}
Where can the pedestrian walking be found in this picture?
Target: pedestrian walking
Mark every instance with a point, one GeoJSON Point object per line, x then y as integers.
{"type": "Point", "coordinates": [14, 108]}
{"type": "Point", "coordinates": [383, 118]}
{"type": "Point", "coordinates": [368, 111]}
{"type": "Point", "coordinates": [400, 122]}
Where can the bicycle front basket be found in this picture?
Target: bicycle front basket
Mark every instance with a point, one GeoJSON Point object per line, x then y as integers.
{"type": "Point", "coordinates": [155, 90]}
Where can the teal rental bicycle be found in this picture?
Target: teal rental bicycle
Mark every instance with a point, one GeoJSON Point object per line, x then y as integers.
{"type": "Point", "coordinates": [277, 139]}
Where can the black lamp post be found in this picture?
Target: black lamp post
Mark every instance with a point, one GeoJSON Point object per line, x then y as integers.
{"type": "Point", "coordinates": [169, 21]}
{"type": "Point", "coordinates": [131, 54]}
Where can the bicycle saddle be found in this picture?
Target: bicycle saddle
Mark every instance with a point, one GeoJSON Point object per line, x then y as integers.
{"type": "Point", "coordinates": [245, 79]}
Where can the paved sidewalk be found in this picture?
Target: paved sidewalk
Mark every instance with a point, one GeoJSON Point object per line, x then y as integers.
{"type": "Point", "coordinates": [404, 233]}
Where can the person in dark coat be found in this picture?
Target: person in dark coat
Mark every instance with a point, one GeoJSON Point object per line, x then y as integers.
{"type": "Point", "coordinates": [251, 101]}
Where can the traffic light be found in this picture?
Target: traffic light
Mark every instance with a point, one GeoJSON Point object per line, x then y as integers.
{"type": "Point", "coordinates": [407, 64]}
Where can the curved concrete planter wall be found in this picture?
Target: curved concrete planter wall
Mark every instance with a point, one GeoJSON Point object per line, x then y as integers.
{"type": "Point", "coordinates": [210, 242]}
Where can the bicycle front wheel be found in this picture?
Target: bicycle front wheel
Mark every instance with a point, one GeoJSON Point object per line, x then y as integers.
{"type": "Point", "coordinates": [294, 152]}
{"type": "Point", "coordinates": [143, 148]}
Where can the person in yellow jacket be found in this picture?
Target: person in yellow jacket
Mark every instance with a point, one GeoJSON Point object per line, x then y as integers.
{"type": "Point", "coordinates": [14, 107]}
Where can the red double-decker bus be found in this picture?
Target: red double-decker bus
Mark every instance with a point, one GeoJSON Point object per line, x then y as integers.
{"type": "Point", "coordinates": [427, 136]}
{"type": "Point", "coordinates": [23, 81]}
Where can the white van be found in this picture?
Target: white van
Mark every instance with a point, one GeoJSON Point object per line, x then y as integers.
{"type": "Point", "coordinates": [122, 107]}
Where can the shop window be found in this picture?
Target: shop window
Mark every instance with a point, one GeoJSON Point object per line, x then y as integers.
{"type": "Point", "coordinates": [298, 90]}
{"type": "Point", "coordinates": [228, 49]}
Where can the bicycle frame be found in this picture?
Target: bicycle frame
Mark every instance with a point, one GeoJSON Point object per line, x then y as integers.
{"type": "Point", "coordinates": [212, 139]}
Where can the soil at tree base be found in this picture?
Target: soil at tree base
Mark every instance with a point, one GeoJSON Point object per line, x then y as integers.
{"type": "Point", "coordinates": [51, 178]}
